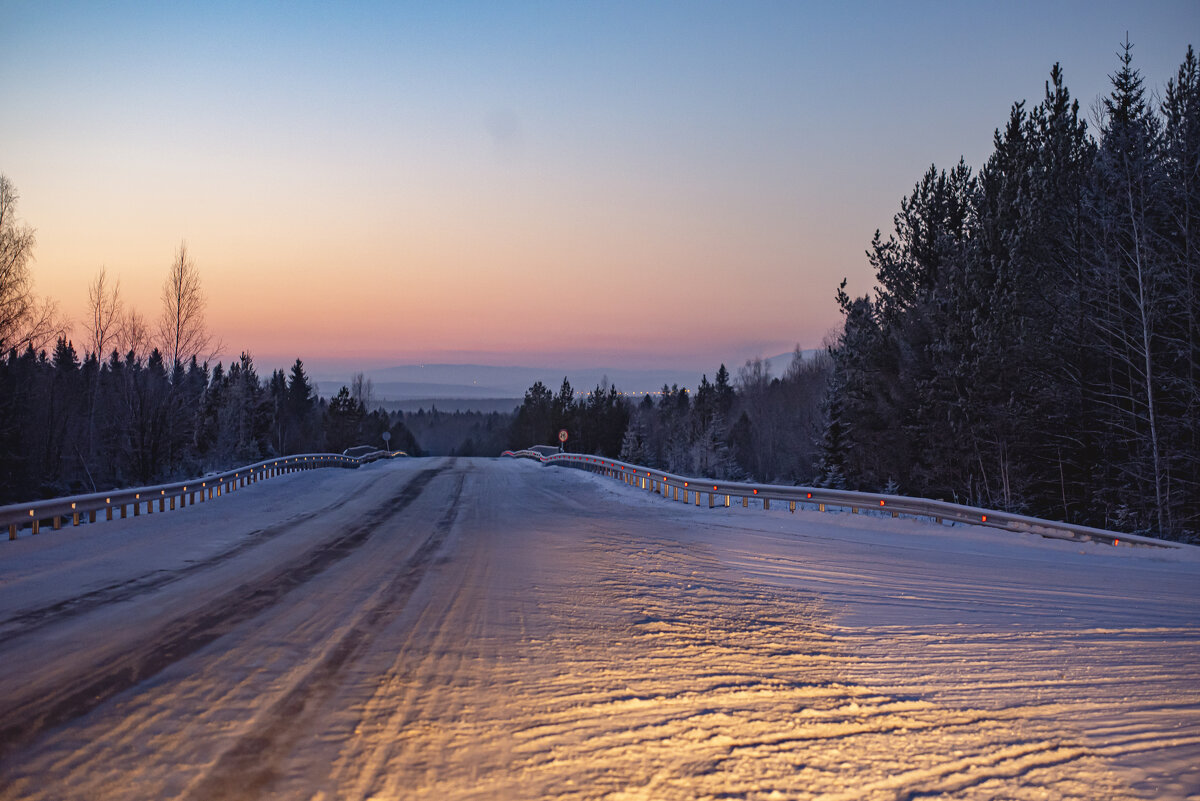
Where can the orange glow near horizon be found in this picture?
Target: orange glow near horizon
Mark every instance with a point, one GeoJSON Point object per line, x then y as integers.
{"type": "Point", "coordinates": [416, 294]}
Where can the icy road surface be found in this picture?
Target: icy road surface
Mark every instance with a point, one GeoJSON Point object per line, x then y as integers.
{"type": "Point", "coordinates": [497, 629]}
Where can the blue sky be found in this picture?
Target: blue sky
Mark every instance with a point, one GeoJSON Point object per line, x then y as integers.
{"type": "Point", "coordinates": [622, 183]}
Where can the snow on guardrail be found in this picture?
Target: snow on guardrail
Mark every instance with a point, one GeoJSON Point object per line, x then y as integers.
{"type": "Point", "coordinates": [724, 493]}
{"type": "Point", "coordinates": [168, 496]}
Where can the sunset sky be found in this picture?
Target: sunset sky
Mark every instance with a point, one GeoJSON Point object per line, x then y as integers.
{"type": "Point", "coordinates": [628, 184]}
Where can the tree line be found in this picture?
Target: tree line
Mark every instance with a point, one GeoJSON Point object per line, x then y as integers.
{"type": "Point", "coordinates": [1033, 343]}
{"type": "Point", "coordinates": [141, 407]}
{"type": "Point", "coordinates": [70, 425]}
{"type": "Point", "coordinates": [756, 427]}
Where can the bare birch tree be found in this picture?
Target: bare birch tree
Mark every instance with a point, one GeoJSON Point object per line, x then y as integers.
{"type": "Point", "coordinates": [104, 313]}
{"type": "Point", "coordinates": [362, 390]}
{"type": "Point", "coordinates": [133, 336]}
{"type": "Point", "coordinates": [24, 318]}
{"type": "Point", "coordinates": [182, 331]}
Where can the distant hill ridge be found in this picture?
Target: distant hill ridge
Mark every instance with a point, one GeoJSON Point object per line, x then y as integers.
{"type": "Point", "coordinates": [408, 382]}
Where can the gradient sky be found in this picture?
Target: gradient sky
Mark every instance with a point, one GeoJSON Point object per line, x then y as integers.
{"type": "Point", "coordinates": [629, 184]}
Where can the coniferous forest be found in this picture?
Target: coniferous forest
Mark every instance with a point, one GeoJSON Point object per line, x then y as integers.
{"type": "Point", "coordinates": [1032, 344]}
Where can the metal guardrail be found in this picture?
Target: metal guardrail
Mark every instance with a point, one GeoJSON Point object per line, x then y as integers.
{"type": "Point", "coordinates": [168, 497]}
{"type": "Point", "coordinates": [701, 491]}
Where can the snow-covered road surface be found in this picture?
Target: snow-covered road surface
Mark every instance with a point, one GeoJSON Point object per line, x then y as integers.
{"type": "Point", "coordinates": [476, 628]}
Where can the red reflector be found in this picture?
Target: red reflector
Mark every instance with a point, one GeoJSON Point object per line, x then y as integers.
{"type": "Point", "coordinates": [810, 494]}
{"type": "Point", "coordinates": [714, 487]}
{"type": "Point", "coordinates": [985, 518]}
{"type": "Point", "coordinates": [756, 492]}
{"type": "Point", "coordinates": [1116, 542]}
{"type": "Point", "coordinates": [881, 503]}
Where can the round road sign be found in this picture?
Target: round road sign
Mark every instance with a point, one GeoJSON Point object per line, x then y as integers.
{"type": "Point", "coordinates": [562, 435]}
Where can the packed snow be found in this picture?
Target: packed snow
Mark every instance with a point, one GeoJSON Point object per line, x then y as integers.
{"type": "Point", "coordinates": [482, 628]}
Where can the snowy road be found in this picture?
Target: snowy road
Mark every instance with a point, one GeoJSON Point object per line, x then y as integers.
{"type": "Point", "coordinates": [436, 628]}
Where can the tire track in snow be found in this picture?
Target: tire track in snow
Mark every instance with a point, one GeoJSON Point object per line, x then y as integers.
{"type": "Point", "coordinates": [21, 720]}
{"type": "Point", "coordinates": [451, 641]}
{"type": "Point", "coordinates": [27, 621]}
{"type": "Point", "coordinates": [251, 764]}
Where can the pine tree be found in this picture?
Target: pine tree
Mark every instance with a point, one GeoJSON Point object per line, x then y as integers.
{"type": "Point", "coordinates": [633, 444]}
{"type": "Point", "coordinates": [1126, 302]}
{"type": "Point", "coordinates": [1181, 166]}
{"type": "Point", "coordinates": [342, 419]}
{"type": "Point", "coordinates": [300, 410]}
{"type": "Point", "coordinates": [534, 423]}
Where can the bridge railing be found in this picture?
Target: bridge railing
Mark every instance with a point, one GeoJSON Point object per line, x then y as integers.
{"type": "Point", "coordinates": [714, 493]}
{"type": "Point", "coordinates": [166, 497]}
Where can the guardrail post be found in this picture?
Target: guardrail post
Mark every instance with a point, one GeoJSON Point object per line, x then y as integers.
{"type": "Point", "coordinates": [791, 506]}
{"type": "Point", "coordinates": [108, 513]}
{"type": "Point", "coordinates": [36, 525]}
{"type": "Point", "coordinates": [57, 522]}
{"type": "Point", "coordinates": [745, 502]}
{"type": "Point", "coordinates": [172, 503]}
{"type": "Point", "coordinates": [91, 515]}
{"type": "Point", "coordinates": [711, 501]}
{"type": "Point", "coordinates": [820, 507]}
{"type": "Point", "coordinates": [12, 531]}
{"type": "Point", "coordinates": [726, 501]}
{"type": "Point", "coordinates": [766, 504]}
